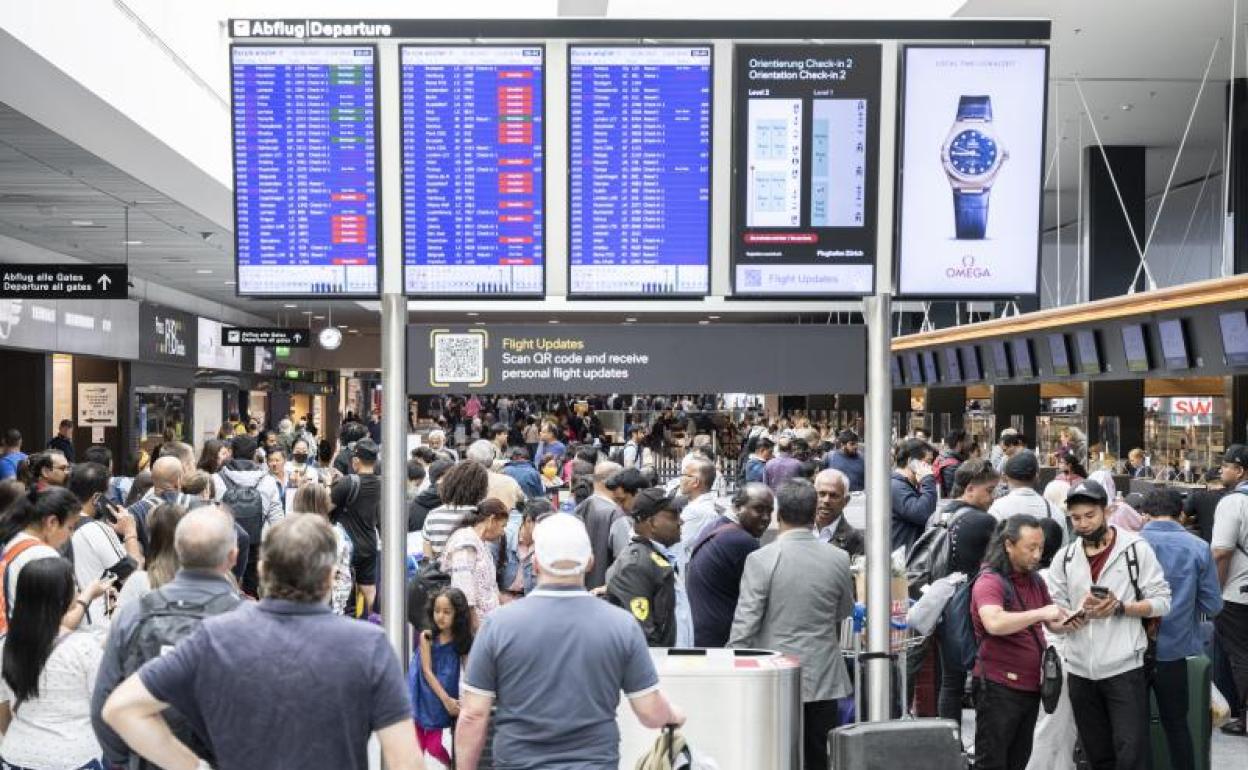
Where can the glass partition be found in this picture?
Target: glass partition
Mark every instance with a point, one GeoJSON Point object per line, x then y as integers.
{"type": "Point", "coordinates": [1184, 437]}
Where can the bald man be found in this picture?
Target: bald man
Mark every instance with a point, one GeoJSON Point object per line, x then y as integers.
{"type": "Point", "coordinates": [206, 547]}
{"type": "Point", "coordinates": [599, 511]}
{"type": "Point", "coordinates": [166, 488]}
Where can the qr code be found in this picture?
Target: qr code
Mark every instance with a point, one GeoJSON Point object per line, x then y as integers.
{"type": "Point", "coordinates": [753, 279]}
{"type": "Point", "coordinates": [458, 358]}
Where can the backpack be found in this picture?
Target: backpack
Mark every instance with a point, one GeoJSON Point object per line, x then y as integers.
{"type": "Point", "coordinates": [428, 581]}
{"type": "Point", "coordinates": [957, 628]}
{"type": "Point", "coordinates": [161, 624]}
{"type": "Point", "coordinates": [928, 559]}
{"type": "Point", "coordinates": [9, 556]}
{"type": "Point", "coordinates": [938, 470]}
{"type": "Point", "coordinates": [247, 505]}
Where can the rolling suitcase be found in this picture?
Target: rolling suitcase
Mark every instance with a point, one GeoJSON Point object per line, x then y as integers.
{"type": "Point", "coordinates": [914, 744]}
{"type": "Point", "coordinates": [1199, 718]}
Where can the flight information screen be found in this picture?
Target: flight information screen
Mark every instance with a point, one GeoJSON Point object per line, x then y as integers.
{"type": "Point", "coordinates": [473, 170]}
{"type": "Point", "coordinates": [639, 161]}
{"type": "Point", "coordinates": [804, 169]}
{"type": "Point", "coordinates": [305, 170]}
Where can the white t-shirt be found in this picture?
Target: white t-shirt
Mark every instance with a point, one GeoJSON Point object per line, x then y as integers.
{"type": "Point", "coordinates": [96, 548]}
{"type": "Point", "coordinates": [41, 551]}
{"type": "Point", "coordinates": [1022, 500]}
{"type": "Point", "coordinates": [1230, 531]}
{"type": "Point", "coordinates": [53, 731]}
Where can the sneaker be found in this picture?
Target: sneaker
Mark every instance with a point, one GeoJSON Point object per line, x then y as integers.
{"type": "Point", "coordinates": [1235, 727]}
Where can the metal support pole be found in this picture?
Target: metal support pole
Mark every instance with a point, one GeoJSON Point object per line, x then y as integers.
{"type": "Point", "coordinates": [393, 371]}
{"type": "Point", "coordinates": [878, 315]}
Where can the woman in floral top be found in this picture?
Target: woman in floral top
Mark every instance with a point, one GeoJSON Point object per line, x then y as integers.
{"type": "Point", "coordinates": [469, 561]}
{"type": "Point", "coordinates": [314, 498]}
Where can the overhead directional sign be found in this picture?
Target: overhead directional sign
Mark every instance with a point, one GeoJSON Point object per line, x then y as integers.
{"type": "Point", "coordinates": [37, 281]}
{"type": "Point", "coordinates": [255, 336]}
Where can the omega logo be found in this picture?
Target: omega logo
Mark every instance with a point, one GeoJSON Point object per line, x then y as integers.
{"type": "Point", "coordinates": [968, 269]}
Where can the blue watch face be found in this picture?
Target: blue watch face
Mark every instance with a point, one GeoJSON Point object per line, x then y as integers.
{"type": "Point", "coordinates": [972, 153]}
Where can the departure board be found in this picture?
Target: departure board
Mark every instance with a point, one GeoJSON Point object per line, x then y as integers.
{"type": "Point", "coordinates": [473, 170]}
{"type": "Point", "coordinates": [639, 167]}
{"type": "Point", "coordinates": [305, 170]}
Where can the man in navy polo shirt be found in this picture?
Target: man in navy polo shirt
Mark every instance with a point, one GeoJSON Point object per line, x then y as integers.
{"type": "Point", "coordinates": [279, 683]}
{"type": "Point", "coordinates": [564, 722]}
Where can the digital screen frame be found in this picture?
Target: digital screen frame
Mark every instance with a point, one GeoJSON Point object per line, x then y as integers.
{"type": "Point", "coordinates": [1059, 354]}
{"type": "Point", "coordinates": [1023, 356]}
{"type": "Point", "coordinates": [972, 365]}
{"type": "Point", "coordinates": [953, 366]}
{"type": "Point", "coordinates": [1001, 367]}
{"type": "Point", "coordinates": [931, 372]}
{"type": "Point", "coordinates": [914, 370]}
{"type": "Point", "coordinates": [895, 365]}
{"type": "Point", "coordinates": [1088, 351]}
{"type": "Point", "coordinates": [1233, 326]}
{"type": "Point", "coordinates": [1135, 348]}
{"type": "Point", "coordinates": [1176, 350]}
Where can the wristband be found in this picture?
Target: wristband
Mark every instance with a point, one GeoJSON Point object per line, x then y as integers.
{"type": "Point", "coordinates": [1120, 610]}
{"type": "Point", "coordinates": [85, 606]}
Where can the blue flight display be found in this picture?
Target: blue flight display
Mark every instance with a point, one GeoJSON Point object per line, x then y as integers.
{"type": "Point", "coordinates": [305, 170]}
{"type": "Point", "coordinates": [473, 170]}
{"type": "Point", "coordinates": [639, 165]}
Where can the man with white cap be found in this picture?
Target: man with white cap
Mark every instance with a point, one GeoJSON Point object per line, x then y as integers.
{"type": "Point", "coordinates": [565, 720]}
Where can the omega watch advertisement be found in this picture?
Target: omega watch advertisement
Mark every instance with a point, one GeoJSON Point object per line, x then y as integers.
{"type": "Point", "coordinates": [972, 168]}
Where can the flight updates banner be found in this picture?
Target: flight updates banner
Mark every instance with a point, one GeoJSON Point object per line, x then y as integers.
{"type": "Point", "coordinates": [972, 171]}
{"type": "Point", "coordinates": [804, 169]}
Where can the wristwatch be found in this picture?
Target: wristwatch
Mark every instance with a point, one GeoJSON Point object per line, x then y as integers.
{"type": "Point", "coordinates": [972, 156]}
{"type": "Point", "coordinates": [1120, 609]}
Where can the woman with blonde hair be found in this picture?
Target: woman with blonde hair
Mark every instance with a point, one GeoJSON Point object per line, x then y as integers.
{"type": "Point", "coordinates": [313, 498]}
{"type": "Point", "coordinates": [162, 558]}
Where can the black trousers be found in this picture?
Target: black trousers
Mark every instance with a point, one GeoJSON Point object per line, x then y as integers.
{"type": "Point", "coordinates": [1112, 718]}
{"type": "Point", "coordinates": [1005, 721]}
{"type": "Point", "coordinates": [818, 718]}
{"type": "Point", "coordinates": [1170, 686]}
{"type": "Point", "coordinates": [1232, 629]}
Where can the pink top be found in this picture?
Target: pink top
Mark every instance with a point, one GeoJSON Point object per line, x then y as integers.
{"type": "Point", "coordinates": [1125, 517]}
{"type": "Point", "coordinates": [471, 566]}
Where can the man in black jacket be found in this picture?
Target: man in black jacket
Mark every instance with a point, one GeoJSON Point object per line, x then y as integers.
{"type": "Point", "coordinates": [643, 580]}
{"type": "Point", "coordinates": [428, 499]}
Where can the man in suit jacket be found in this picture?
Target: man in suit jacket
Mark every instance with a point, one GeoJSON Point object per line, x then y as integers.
{"type": "Point", "coordinates": [794, 594]}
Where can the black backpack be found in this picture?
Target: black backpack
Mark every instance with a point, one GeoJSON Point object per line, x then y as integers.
{"type": "Point", "coordinates": [929, 557]}
{"type": "Point", "coordinates": [163, 623]}
{"type": "Point", "coordinates": [247, 505]}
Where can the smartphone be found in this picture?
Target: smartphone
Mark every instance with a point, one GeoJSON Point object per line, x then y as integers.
{"type": "Point", "coordinates": [1100, 592]}
{"type": "Point", "coordinates": [1078, 615]}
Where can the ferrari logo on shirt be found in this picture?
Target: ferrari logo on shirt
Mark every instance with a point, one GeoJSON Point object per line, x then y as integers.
{"type": "Point", "coordinates": [659, 560]}
{"type": "Point", "coordinates": [640, 607]}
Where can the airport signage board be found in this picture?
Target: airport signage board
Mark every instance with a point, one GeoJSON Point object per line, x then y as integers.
{"type": "Point", "coordinates": [60, 281]}
{"type": "Point", "coordinates": [972, 167]}
{"type": "Point", "coordinates": [651, 358]}
{"type": "Point", "coordinates": [256, 336]}
{"type": "Point", "coordinates": [97, 404]}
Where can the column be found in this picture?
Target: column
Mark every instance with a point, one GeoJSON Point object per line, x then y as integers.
{"type": "Point", "coordinates": [1024, 400]}
{"type": "Point", "coordinates": [950, 401]}
{"type": "Point", "coordinates": [1123, 399]}
{"type": "Point", "coordinates": [1112, 255]}
{"type": "Point", "coordinates": [1237, 197]}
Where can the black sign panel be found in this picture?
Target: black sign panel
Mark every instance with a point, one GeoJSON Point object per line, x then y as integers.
{"type": "Point", "coordinates": [167, 335]}
{"type": "Point", "coordinates": [805, 166]}
{"type": "Point", "coordinates": [655, 358]}
{"type": "Point", "coordinates": [257, 336]}
{"type": "Point", "coordinates": [37, 281]}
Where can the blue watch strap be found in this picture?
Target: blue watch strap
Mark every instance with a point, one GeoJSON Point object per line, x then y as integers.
{"type": "Point", "coordinates": [975, 108]}
{"type": "Point", "coordinates": [970, 214]}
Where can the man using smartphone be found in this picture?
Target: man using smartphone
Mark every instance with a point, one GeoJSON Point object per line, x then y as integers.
{"type": "Point", "coordinates": [1114, 577]}
{"type": "Point", "coordinates": [105, 538]}
{"type": "Point", "coordinates": [913, 487]}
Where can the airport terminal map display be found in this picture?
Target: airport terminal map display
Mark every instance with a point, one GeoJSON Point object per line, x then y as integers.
{"type": "Point", "coordinates": [639, 165]}
{"type": "Point", "coordinates": [804, 172]}
{"type": "Point", "coordinates": [305, 170]}
{"type": "Point", "coordinates": [473, 170]}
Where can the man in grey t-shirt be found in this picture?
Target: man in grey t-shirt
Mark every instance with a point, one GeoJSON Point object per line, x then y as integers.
{"type": "Point", "coordinates": [1021, 472]}
{"type": "Point", "coordinates": [564, 721]}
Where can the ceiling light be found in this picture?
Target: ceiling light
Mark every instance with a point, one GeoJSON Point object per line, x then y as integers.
{"type": "Point", "coordinates": [318, 318]}
{"type": "Point", "coordinates": [82, 223]}
{"type": "Point", "coordinates": [132, 243]}
{"type": "Point", "coordinates": [203, 271]}
{"type": "Point", "coordinates": [1127, 107]}
{"type": "Point", "coordinates": [306, 312]}
{"type": "Point", "coordinates": [353, 331]}
{"type": "Point", "coordinates": [630, 319]}
{"type": "Point", "coordinates": [703, 322]}
{"type": "Point", "coordinates": [553, 321]}
{"type": "Point", "coordinates": [229, 283]}
{"type": "Point", "coordinates": [473, 313]}
{"type": "Point", "coordinates": [290, 306]}
{"type": "Point", "coordinates": [713, 317]}
{"type": "Point", "coordinates": [344, 326]}
{"type": "Point", "coordinates": [479, 323]}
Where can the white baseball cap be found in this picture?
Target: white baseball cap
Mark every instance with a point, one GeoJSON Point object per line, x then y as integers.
{"type": "Point", "coordinates": [562, 540]}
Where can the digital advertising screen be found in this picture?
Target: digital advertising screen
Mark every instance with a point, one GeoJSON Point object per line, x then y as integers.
{"type": "Point", "coordinates": [898, 379]}
{"type": "Point", "coordinates": [639, 171]}
{"type": "Point", "coordinates": [1234, 327]}
{"type": "Point", "coordinates": [970, 363]}
{"type": "Point", "coordinates": [473, 126]}
{"type": "Point", "coordinates": [1174, 353]}
{"type": "Point", "coordinates": [1059, 353]}
{"type": "Point", "coordinates": [305, 170]}
{"type": "Point", "coordinates": [1022, 356]}
{"type": "Point", "coordinates": [805, 144]}
{"type": "Point", "coordinates": [1000, 360]}
{"type": "Point", "coordinates": [971, 171]}
{"type": "Point", "coordinates": [1135, 346]}
{"type": "Point", "coordinates": [930, 372]}
{"type": "Point", "coordinates": [1089, 352]}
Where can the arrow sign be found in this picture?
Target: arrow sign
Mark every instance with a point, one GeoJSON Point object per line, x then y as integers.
{"type": "Point", "coordinates": [62, 281]}
{"type": "Point", "coordinates": [258, 336]}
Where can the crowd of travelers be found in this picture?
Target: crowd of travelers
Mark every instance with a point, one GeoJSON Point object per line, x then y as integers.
{"type": "Point", "coordinates": [213, 608]}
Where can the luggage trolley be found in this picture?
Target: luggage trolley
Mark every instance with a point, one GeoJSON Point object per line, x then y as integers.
{"type": "Point", "coordinates": [903, 641]}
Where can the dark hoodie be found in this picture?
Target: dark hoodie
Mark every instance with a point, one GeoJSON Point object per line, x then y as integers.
{"type": "Point", "coordinates": [419, 508]}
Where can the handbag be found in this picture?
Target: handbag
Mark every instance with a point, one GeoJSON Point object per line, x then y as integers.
{"type": "Point", "coordinates": [1051, 678]}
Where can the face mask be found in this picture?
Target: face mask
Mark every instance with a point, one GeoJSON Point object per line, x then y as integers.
{"type": "Point", "coordinates": [300, 457]}
{"type": "Point", "coordinates": [1098, 534]}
